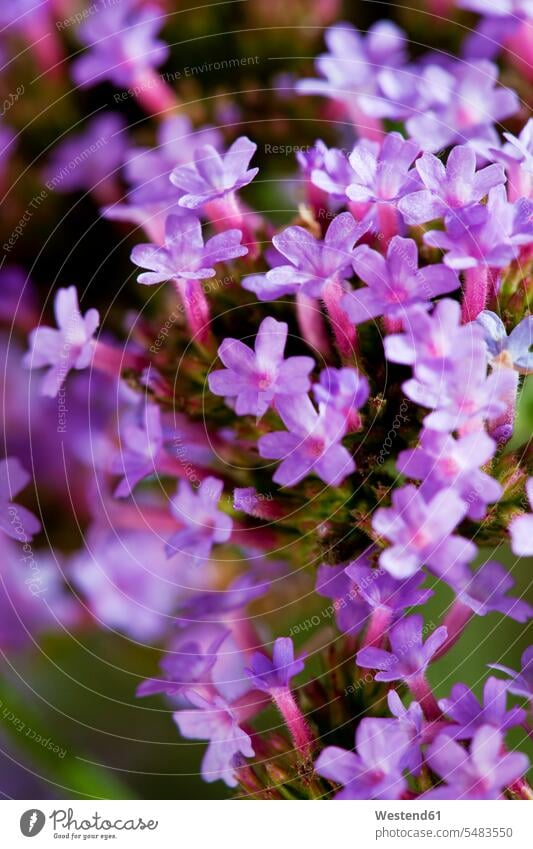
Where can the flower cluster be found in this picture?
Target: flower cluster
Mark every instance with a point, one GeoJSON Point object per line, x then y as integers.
{"type": "Point", "coordinates": [219, 444]}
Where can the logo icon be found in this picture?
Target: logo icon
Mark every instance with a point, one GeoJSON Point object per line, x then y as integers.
{"type": "Point", "coordinates": [32, 822]}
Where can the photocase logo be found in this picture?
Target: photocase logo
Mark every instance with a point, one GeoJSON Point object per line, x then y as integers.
{"type": "Point", "coordinates": [32, 822]}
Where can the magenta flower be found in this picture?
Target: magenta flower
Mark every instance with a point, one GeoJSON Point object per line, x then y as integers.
{"type": "Point", "coordinates": [203, 524]}
{"type": "Point", "coordinates": [422, 531]}
{"type": "Point", "coordinates": [382, 174]}
{"type": "Point", "coordinates": [521, 528]}
{"type": "Point", "coordinates": [15, 520]}
{"type": "Point", "coordinates": [184, 255]}
{"type": "Point", "coordinates": [409, 656]}
{"type": "Point", "coordinates": [447, 187]}
{"type": "Point", "coordinates": [521, 683]}
{"type": "Point", "coordinates": [442, 462]}
{"type": "Point", "coordinates": [487, 236]}
{"type": "Point", "coordinates": [344, 390]}
{"type": "Point", "coordinates": [469, 714]}
{"type": "Point", "coordinates": [310, 444]}
{"type": "Point", "coordinates": [268, 675]}
{"type": "Point", "coordinates": [434, 339]}
{"type": "Point", "coordinates": [313, 262]}
{"type": "Point", "coordinates": [214, 175]}
{"type": "Point", "coordinates": [122, 45]}
{"type": "Point", "coordinates": [482, 773]}
{"type": "Point", "coordinates": [69, 347]}
{"type": "Point", "coordinates": [464, 104]}
{"type": "Point", "coordinates": [375, 772]}
{"type": "Point", "coordinates": [486, 591]}
{"type": "Point", "coordinates": [395, 284]}
{"type": "Point", "coordinates": [215, 720]}
{"type": "Point", "coordinates": [257, 378]}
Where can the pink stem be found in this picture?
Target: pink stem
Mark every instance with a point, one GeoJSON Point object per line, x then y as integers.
{"type": "Point", "coordinates": [227, 212]}
{"type": "Point", "coordinates": [343, 329]}
{"type": "Point", "coordinates": [475, 292]}
{"type": "Point", "coordinates": [196, 308]}
{"type": "Point", "coordinates": [388, 222]}
{"type": "Point", "coordinates": [378, 626]}
{"type": "Point", "coordinates": [112, 361]}
{"type": "Point", "coordinates": [392, 325]}
{"type": "Point", "coordinates": [455, 622]}
{"type": "Point", "coordinates": [45, 44]}
{"type": "Point", "coordinates": [423, 694]}
{"type": "Point", "coordinates": [153, 94]}
{"type": "Point", "coordinates": [311, 324]}
{"type": "Point", "coordinates": [295, 721]}
{"type": "Point", "coordinates": [367, 126]}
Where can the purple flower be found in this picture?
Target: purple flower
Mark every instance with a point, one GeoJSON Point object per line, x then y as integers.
{"type": "Point", "coordinates": [435, 339]}
{"type": "Point", "coordinates": [214, 175]}
{"type": "Point", "coordinates": [410, 721]}
{"type": "Point", "coordinates": [69, 347]}
{"type": "Point", "coordinates": [203, 524]}
{"type": "Point", "coordinates": [442, 462]}
{"type": "Point", "coordinates": [421, 531]}
{"type": "Point", "coordinates": [313, 262]}
{"type": "Point", "coordinates": [375, 772]}
{"type": "Point", "coordinates": [215, 720]}
{"type": "Point", "coordinates": [521, 683]}
{"type": "Point", "coordinates": [149, 169]}
{"type": "Point", "coordinates": [257, 378]}
{"type": "Point", "coordinates": [409, 656]}
{"type": "Point", "coordinates": [382, 174]}
{"type": "Point", "coordinates": [503, 19]}
{"type": "Point", "coordinates": [351, 68]}
{"type": "Point", "coordinates": [351, 611]}
{"type": "Point", "coordinates": [395, 284]}
{"type": "Point", "coordinates": [488, 236]}
{"type": "Point", "coordinates": [184, 255]}
{"type": "Point", "coordinates": [275, 674]}
{"type": "Point", "coordinates": [332, 172]}
{"type": "Point", "coordinates": [469, 714]}
{"type": "Point", "coordinates": [521, 528]}
{"type": "Point", "coordinates": [86, 160]}
{"type": "Point", "coordinates": [122, 45]}
{"type": "Point", "coordinates": [383, 592]}
{"type": "Point", "coordinates": [189, 662]}
{"type": "Point", "coordinates": [465, 102]}
{"type": "Point", "coordinates": [462, 395]}
{"type": "Point", "coordinates": [15, 520]}
{"type": "Point", "coordinates": [217, 604]}
{"type": "Point", "coordinates": [512, 350]}
{"type": "Point", "coordinates": [486, 590]}
{"type": "Point", "coordinates": [140, 446]}
{"type": "Point", "coordinates": [481, 774]}
{"type": "Point", "coordinates": [449, 187]}
{"type": "Point", "coordinates": [344, 390]}
{"type": "Point", "coordinates": [310, 444]}
{"type": "Point", "coordinates": [516, 155]}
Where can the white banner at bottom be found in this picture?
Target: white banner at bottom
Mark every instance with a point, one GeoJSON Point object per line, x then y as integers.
{"type": "Point", "coordinates": [234, 825]}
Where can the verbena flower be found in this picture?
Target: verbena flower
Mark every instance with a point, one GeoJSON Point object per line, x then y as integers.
{"type": "Point", "coordinates": [487, 590]}
{"type": "Point", "coordinates": [521, 528]}
{"type": "Point", "coordinates": [350, 609]}
{"type": "Point", "coordinates": [256, 379]}
{"type": "Point", "coordinates": [482, 773]}
{"type": "Point", "coordinates": [375, 771]}
{"type": "Point", "coordinates": [409, 656]}
{"type": "Point", "coordinates": [521, 683]}
{"type": "Point", "coordinates": [268, 675]}
{"type": "Point", "coordinates": [69, 347]}
{"type": "Point", "coordinates": [311, 443]}
{"type": "Point", "coordinates": [512, 350]}
{"type": "Point", "coordinates": [214, 175]}
{"type": "Point", "coordinates": [382, 174]}
{"type": "Point", "coordinates": [395, 284]}
{"type": "Point", "coordinates": [15, 520]}
{"type": "Point", "coordinates": [203, 524]}
{"type": "Point", "coordinates": [469, 714]}
{"type": "Point", "coordinates": [410, 720]}
{"type": "Point", "coordinates": [344, 390]}
{"type": "Point", "coordinates": [188, 663]}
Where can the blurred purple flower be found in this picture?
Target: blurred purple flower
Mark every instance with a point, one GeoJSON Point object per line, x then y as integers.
{"type": "Point", "coordinates": [521, 683]}
{"type": "Point", "coordinates": [486, 590]}
{"type": "Point", "coordinates": [189, 662]}
{"type": "Point", "coordinates": [375, 772]}
{"type": "Point", "coordinates": [140, 446]}
{"type": "Point", "coordinates": [521, 528]}
{"type": "Point", "coordinates": [310, 444]}
{"type": "Point", "coordinates": [481, 774]}
{"type": "Point", "coordinates": [469, 714]}
{"type": "Point", "coordinates": [512, 350]}
{"type": "Point", "coordinates": [203, 524]}
{"type": "Point", "coordinates": [70, 347]}
{"type": "Point", "coordinates": [344, 390]}
{"type": "Point", "coordinates": [258, 378]}
{"type": "Point", "coordinates": [395, 284]}
{"type": "Point", "coordinates": [15, 520]}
